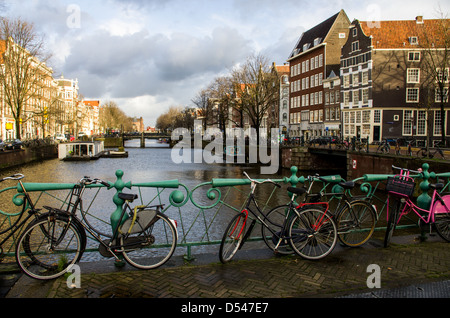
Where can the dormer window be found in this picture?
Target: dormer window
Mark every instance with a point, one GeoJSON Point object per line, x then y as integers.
{"type": "Point", "coordinates": [306, 46]}
{"type": "Point", "coordinates": [413, 40]}
{"type": "Point", "coordinates": [317, 41]}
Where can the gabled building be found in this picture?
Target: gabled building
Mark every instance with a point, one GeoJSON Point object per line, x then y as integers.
{"type": "Point", "coordinates": [315, 56]}
{"type": "Point", "coordinates": [388, 89]}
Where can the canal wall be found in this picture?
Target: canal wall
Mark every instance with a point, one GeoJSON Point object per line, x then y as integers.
{"type": "Point", "coordinates": [9, 159]}
{"type": "Point", "coordinates": [304, 160]}
{"type": "Point", "coordinates": [356, 164]}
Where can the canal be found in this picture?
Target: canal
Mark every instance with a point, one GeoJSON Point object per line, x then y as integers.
{"type": "Point", "coordinates": [150, 164]}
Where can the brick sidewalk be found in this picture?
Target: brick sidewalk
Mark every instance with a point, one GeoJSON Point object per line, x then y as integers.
{"type": "Point", "coordinates": [343, 272]}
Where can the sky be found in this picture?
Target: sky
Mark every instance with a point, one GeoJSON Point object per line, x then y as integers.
{"type": "Point", "coordinates": [148, 55]}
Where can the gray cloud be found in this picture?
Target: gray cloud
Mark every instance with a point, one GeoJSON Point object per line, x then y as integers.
{"type": "Point", "coordinates": [141, 63]}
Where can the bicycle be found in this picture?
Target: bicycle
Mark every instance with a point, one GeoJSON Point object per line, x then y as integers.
{"type": "Point", "coordinates": [56, 240]}
{"type": "Point", "coordinates": [424, 153]}
{"type": "Point", "coordinates": [355, 218]}
{"type": "Point", "coordinates": [401, 187]}
{"type": "Point", "coordinates": [384, 147]}
{"type": "Point", "coordinates": [310, 232]}
{"type": "Point", "coordinates": [26, 203]}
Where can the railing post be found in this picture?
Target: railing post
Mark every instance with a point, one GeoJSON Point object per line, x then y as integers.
{"type": "Point", "coordinates": [424, 200]}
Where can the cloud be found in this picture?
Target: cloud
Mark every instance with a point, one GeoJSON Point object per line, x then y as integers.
{"type": "Point", "coordinates": [140, 63]}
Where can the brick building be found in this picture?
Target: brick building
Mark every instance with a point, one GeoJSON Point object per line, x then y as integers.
{"type": "Point", "coordinates": [388, 88]}
{"type": "Point", "coordinates": [315, 56]}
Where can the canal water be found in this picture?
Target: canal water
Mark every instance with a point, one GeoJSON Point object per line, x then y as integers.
{"type": "Point", "coordinates": [150, 164]}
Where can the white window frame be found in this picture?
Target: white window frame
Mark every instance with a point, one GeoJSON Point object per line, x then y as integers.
{"type": "Point", "coordinates": [408, 100]}
{"type": "Point", "coordinates": [413, 75]}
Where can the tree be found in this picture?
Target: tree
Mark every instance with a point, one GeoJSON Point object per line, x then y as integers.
{"type": "Point", "coordinates": [23, 68]}
{"type": "Point", "coordinates": [112, 117]}
{"type": "Point", "coordinates": [434, 40]}
{"type": "Point", "coordinates": [256, 88]}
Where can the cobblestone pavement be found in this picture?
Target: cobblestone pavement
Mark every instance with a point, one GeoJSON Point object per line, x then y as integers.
{"type": "Point", "coordinates": [342, 273]}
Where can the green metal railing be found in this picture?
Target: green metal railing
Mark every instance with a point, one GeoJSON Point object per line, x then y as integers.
{"type": "Point", "coordinates": [202, 212]}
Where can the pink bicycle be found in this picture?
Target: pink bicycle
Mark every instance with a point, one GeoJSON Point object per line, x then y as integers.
{"type": "Point", "coordinates": [401, 188]}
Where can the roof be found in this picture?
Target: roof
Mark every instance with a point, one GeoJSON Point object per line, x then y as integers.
{"type": "Point", "coordinates": [282, 69]}
{"type": "Point", "coordinates": [397, 34]}
{"type": "Point", "coordinates": [318, 32]}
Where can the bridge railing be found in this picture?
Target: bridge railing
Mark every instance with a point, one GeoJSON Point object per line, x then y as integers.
{"type": "Point", "coordinates": [202, 210]}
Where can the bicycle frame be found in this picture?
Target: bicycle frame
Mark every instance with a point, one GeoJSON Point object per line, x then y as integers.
{"type": "Point", "coordinates": [434, 207]}
{"type": "Point", "coordinates": [26, 204]}
{"type": "Point", "coordinates": [263, 221]}
{"type": "Point", "coordinates": [438, 204]}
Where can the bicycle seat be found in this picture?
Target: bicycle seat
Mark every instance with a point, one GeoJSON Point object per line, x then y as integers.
{"type": "Point", "coordinates": [297, 191]}
{"type": "Point", "coordinates": [436, 186]}
{"type": "Point", "coordinates": [128, 196]}
{"type": "Point", "coordinates": [347, 185]}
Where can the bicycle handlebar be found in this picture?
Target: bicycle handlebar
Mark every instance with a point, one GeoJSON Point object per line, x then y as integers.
{"type": "Point", "coordinates": [409, 170]}
{"type": "Point", "coordinates": [88, 180]}
{"type": "Point", "coordinates": [16, 176]}
{"type": "Point", "coordinates": [260, 182]}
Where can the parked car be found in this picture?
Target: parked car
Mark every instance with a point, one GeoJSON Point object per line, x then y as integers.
{"type": "Point", "coordinates": [2, 145]}
{"type": "Point", "coordinates": [60, 137]}
{"type": "Point", "coordinates": [13, 144]}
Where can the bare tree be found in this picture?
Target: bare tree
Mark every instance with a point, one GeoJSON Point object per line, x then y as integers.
{"type": "Point", "coordinates": [23, 69]}
{"type": "Point", "coordinates": [112, 117]}
{"type": "Point", "coordinates": [256, 88]}
{"type": "Point", "coordinates": [434, 40]}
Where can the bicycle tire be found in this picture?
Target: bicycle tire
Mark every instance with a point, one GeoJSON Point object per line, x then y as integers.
{"type": "Point", "coordinates": [152, 247]}
{"type": "Point", "coordinates": [442, 222]}
{"type": "Point", "coordinates": [313, 233]}
{"type": "Point", "coordinates": [356, 223]}
{"type": "Point", "coordinates": [392, 223]}
{"type": "Point", "coordinates": [49, 246]}
{"type": "Point", "coordinates": [276, 220]}
{"type": "Point", "coordinates": [232, 238]}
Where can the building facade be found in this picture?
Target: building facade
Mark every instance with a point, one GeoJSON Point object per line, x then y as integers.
{"type": "Point", "coordinates": [315, 56]}
{"type": "Point", "coordinates": [388, 89]}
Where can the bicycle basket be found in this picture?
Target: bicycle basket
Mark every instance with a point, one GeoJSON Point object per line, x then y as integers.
{"type": "Point", "coordinates": [402, 186]}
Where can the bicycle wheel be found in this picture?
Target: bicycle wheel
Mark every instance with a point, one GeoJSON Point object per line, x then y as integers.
{"type": "Point", "coordinates": [356, 223]}
{"type": "Point", "coordinates": [232, 238]}
{"type": "Point", "coordinates": [49, 247]}
{"type": "Point", "coordinates": [312, 233]}
{"type": "Point", "coordinates": [442, 219]}
{"type": "Point", "coordinates": [152, 246]}
{"type": "Point", "coordinates": [392, 223]}
{"type": "Point", "coordinates": [276, 220]}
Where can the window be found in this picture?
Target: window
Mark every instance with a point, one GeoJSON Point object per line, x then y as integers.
{"type": "Point", "coordinates": [355, 98]}
{"type": "Point", "coordinates": [346, 98]}
{"type": "Point", "coordinates": [355, 46]}
{"type": "Point", "coordinates": [354, 32]}
{"type": "Point", "coordinates": [413, 40]}
{"type": "Point", "coordinates": [442, 75]}
{"type": "Point", "coordinates": [407, 122]}
{"type": "Point", "coordinates": [365, 78]}
{"type": "Point", "coordinates": [312, 63]}
{"type": "Point", "coordinates": [414, 56]}
{"type": "Point", "coordinates": [355, 79]}
{"type": "Point", "coordinates": [377, 116]}
{"type": "Point", "coordinates": [413, 75]}
{"type": "Point", "coordinates": [320, 60]}
{"type": "Point", "coordinates": [421, 122]}
{"type": "Point", "coordinates": [438, 95]}
{"type": "Point", "coordinates": [346, 81]}
{"type": "Point", "coordinates": [412, 95]}
{"type": "Point", "coordinates": [327, 98]}
{"type": "Point", "coordinates": [365, 96]}
{"type": "Point", "coordinates": [437, 131]}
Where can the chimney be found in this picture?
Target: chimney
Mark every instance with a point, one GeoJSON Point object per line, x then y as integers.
{"type": "Point", "coordinates": [419, 19]}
